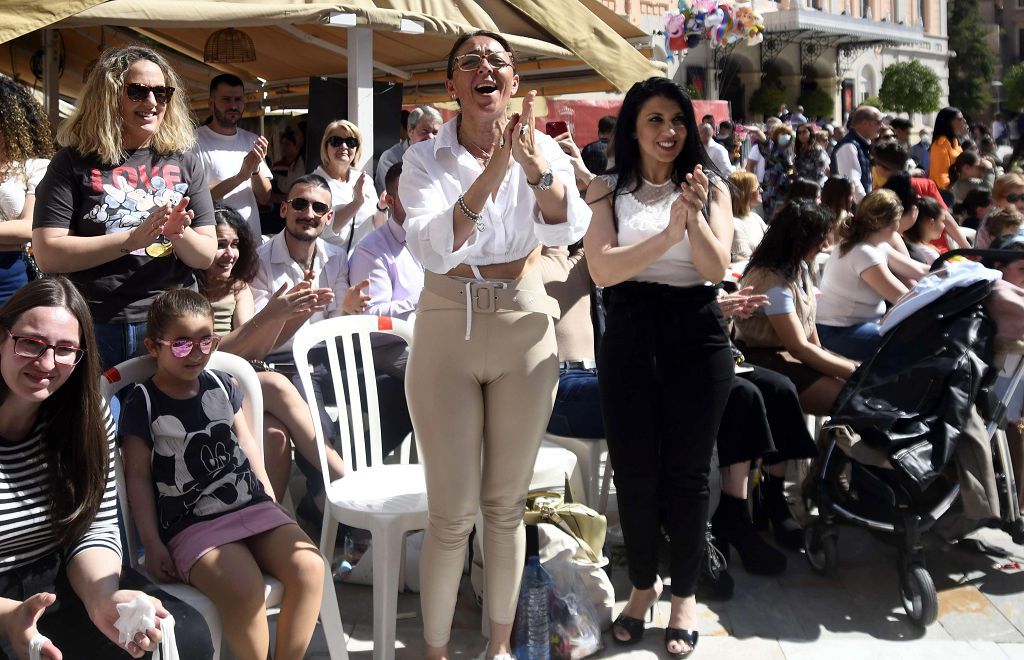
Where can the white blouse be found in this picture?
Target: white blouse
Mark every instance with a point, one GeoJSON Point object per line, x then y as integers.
{"type": "Point", "coordinates": [436, 172]}
{"type": "Point", "coordinates": [342, 193]}
{"type": "Point", "coordinates": [16, 188]}
{"type": "Point", "coordinates": [644, 213]}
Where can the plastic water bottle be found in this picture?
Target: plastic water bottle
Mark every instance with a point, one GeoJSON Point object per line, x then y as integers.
{"type": "Point", "coordinates": [533, 636]}
{"type": "Point", "coordinates": [343, 568]}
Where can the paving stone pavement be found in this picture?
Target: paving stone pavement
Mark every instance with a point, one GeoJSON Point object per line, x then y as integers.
{"type": "Point", "coordinates": [797, 616]}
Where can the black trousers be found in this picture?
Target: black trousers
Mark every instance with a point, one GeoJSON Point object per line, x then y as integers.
{"type": "Point", "coordinates": [67, 623]}
{"type": "Point", "coordinates": [763, 419]}
{"type": "Point", "coordinates": [665, 370]}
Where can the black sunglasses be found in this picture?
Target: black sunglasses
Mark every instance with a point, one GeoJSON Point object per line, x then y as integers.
{"type": "Point", "coordinates": [1013, 198]}
{"type": "Point", "coordinates": [301, 204]}
{"type": "Point", "coordinates": [137, 92]}
{"type": "Point", "coordinates": [336, 141]}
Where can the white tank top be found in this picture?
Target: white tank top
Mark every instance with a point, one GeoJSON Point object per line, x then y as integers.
{"type": "Point", "coordinates": [643, 213]}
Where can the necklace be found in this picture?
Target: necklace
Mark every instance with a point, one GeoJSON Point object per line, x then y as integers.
{"type": "Point", "coordinates": [657, 185]}
{"type": "Point", "coordinates": [466, 142]}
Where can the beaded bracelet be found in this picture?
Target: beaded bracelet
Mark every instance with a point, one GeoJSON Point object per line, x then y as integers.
{"type": "Point", "coordinates": [477, 218]}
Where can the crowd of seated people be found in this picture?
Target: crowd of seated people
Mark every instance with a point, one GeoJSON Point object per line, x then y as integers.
{"type": "Point", "coordinates": [343, 250]}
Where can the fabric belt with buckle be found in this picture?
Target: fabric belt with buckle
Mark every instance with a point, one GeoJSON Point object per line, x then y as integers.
{"type": "Point", "coordinates": [486, 297]}
{"type": "Point", "coordinates": [568, 365]}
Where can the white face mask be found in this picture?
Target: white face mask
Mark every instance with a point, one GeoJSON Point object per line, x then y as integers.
{"type": "Point", "coordinates": [926, 140]}
{"type": "Point", "coordinates": [783, 140]}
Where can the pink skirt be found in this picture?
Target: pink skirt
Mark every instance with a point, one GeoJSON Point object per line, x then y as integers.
{"type": "Point", "coordinates": [196, 540]}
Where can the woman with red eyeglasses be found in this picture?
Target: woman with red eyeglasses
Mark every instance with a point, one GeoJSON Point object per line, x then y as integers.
{"type": "Point", "coordinates": [357, 209]}
{"type": "Point", "coordinates": [124, 207]}
{"type": "Point", "coordinates": [61, 576]}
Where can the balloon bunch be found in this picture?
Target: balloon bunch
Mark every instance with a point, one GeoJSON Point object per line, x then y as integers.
{"type": "Point", "coordinates": [718, 21]}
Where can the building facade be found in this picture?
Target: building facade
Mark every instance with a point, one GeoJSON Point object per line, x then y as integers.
{"type": "Point", "coordinates": [1005, 20]}
{"type": "Point", "coordinates": [838, 46]}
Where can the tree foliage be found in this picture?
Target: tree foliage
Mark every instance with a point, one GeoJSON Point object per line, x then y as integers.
{"type": "Point", "coordinates": [766, 100]}
{"type": "Point", "coordinates": [910, 87]}
{"type": "Point", "coordinates": [817, 103]}
{"type": "Point", "coordinates": [1013, 86]}
{"type": "Point", "coordinates": [974, 64]}
{"type": "Point", "coordinates": [873, 101]}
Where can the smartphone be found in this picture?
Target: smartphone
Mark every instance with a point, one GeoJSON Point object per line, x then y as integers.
{"type": "Point", "coordinates": [556, 128]}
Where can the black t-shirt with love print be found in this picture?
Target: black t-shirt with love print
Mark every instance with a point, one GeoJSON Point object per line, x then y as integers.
{"type": "Point", "coordinates": [90, 198]}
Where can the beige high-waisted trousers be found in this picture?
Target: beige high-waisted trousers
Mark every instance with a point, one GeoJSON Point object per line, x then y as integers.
{"type": "Point", "coordinates": [488, 397]}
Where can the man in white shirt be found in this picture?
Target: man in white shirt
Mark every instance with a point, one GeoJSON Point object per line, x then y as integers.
{"type": "Point", "coordinates": [719, 156]}
{"type": "Point", "coordinates": [295, 256]}
{"type": "Point", "coordinates": [236, 171]}
{"type": "Point", "coordinates": [395, 275]}
{"type": "Point", "coordinates": [423, 124]}
{"type": "Point", "coordinates": [852, 156]}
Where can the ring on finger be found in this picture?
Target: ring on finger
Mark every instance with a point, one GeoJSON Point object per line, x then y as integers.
{"type": "Point", "coordinates": [522, 130]}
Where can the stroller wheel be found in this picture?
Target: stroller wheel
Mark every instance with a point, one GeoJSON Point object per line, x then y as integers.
{"type": "Point", "coordinates": [821, 548]}
{"type": "Point", "coordinates": [917, 591]}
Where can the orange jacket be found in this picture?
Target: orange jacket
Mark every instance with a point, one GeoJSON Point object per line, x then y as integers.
{"type": "Point", "coordinates": [943, 154]}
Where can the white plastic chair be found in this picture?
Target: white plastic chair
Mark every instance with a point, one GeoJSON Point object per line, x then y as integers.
{"type": "Point", "coordinates": [138, 370]}
{"type": "Point", "coordinates": [588, 454]}
{"type": "Point", "coordinates": [389, 500]}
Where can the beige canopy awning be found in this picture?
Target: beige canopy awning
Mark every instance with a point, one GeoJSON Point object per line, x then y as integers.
{"type": "Point", "coordinates": [565, 46]}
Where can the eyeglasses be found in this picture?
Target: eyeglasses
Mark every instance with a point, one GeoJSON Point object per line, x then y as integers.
{"type": "Point", "coordinates": [30, 347]}
{"type": "Point", "coordinates": [336, 141]}
{"type": "Point", "coordinates": [137, 92]}
{"type": "Point", "coordinates": [301, 204]}
{"type": "Point", "coordinates": [471, 61]}
{"type": "Point", "coordinates": [1013, 198]}
{"type": "Point", "coordinates": [182, 348]}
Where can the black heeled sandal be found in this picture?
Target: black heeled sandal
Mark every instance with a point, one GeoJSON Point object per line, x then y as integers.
{"type": "Point", "coordinates": [633, 626]}
{"type": "Point", "coordinates": [681, 635]}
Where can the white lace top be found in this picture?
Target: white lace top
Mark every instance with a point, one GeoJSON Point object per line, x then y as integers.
{"type": "Point", "coordinates": [642, 214]}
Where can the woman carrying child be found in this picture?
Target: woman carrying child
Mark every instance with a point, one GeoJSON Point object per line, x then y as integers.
{"type": "Point", "coordinates": [200, 496]}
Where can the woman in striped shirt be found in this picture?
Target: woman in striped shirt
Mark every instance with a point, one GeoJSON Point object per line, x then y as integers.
{"type": "Point", "coordinates": [60, 550]}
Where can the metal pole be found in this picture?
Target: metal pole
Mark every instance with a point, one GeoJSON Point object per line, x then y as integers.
{"type": "Point", "coordinates": [51, 76]}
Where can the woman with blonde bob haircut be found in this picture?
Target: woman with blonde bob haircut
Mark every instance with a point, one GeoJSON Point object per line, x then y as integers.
{"type": "Point", "coordinates": [124, 208]}
{"type": "Point", "coordinates": [357, 209]}
{"type": "Point", "coordinates": [748, 226]}
{"type": "Point", "coordinates": [857, 280]}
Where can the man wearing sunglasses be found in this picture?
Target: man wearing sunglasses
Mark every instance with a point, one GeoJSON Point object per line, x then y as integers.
{"type": "Point", "coordinates": [236, 168]}
{"type": "Point", "coordinates": [423, 124]}
{"type": "Point", "coordinates": [295, 255]}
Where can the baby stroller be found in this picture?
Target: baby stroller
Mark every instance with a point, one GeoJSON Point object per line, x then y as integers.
{"type": "Point", "coordinates": [887, 461]}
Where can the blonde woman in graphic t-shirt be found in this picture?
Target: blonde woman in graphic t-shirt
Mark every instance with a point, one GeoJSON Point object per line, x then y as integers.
{"type": "Point", "coordinates": [857, 281]}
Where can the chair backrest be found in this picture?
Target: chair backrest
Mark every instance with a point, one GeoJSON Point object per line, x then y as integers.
{"type": "Point", "coordinates": [136, 370]}
{"type": "Point", "coordinates": [353, 429]}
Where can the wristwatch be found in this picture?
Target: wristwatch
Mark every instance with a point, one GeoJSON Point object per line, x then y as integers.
{"type": "Point", "coordinates": [547, 179]}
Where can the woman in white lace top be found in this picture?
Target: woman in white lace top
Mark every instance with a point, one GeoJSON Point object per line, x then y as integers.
{"type": "Point", "coordinates": [659, 242]}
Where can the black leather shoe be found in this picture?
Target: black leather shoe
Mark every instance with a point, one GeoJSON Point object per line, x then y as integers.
{"type": "Point", "coordinates": [731, 525]}
{"type": "Point", "coordinates": [770, 507]}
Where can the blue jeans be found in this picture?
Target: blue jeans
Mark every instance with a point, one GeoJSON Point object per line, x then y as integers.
{"type": "Point", "coordinates": [857, 342]}
{"type": "Point", "coordinates": [577, 411]}
{"type": "Point", "coordinates": [118, 342]}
